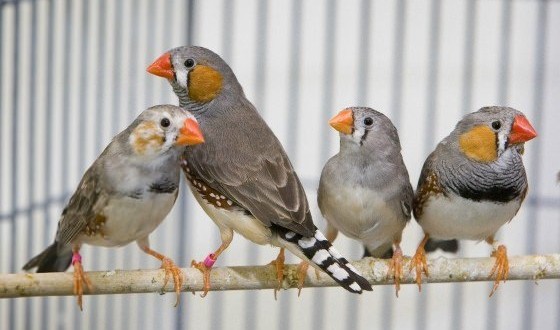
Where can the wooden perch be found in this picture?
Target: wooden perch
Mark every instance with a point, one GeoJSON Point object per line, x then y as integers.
{"type": "Point", "coordinates": [264, 277]}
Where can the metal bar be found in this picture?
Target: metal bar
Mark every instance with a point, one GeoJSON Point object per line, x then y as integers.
{"type": "Point", "coordinates": [251, 298]}
{"type": "Point", "coordinates": [541, 34]}
{"type": "Point", "coordinates": [326, 106]}
{"type": "Point", "coordinates": [503, 85]}
{"type": "Point", "coordinates": [31, 150]}
{"type": "Point", "coordinates": [458, 296]}
{"type": "Point", "coordinates": [442, 270]}
{"type": "Point", "coordinates": [14, 153]}
{"type": "Point", "coordinates": [400, 35]}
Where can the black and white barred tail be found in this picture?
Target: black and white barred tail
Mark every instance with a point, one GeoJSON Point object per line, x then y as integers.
{"type": "Point", "coordinates": [321, 252]}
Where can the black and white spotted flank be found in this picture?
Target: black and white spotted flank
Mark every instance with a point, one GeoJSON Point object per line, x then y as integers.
{"type": "Point", "coordinates": [322, 253]}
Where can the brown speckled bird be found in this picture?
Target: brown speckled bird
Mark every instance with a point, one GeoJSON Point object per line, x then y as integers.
{"type": "Point", "coordinates": [473, 183]}
{"type": "Point", "coordinates": [125, 194]}
{"type": "Point", "coordinates": [241, 175]}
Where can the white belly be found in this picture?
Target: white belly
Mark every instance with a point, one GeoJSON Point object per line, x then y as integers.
{"type": "Point", "coordinates": [460, 218]}
{"type": "Point", "coordinates": [248, 226]}
{"type": "Point", "coordinates": [129, 219]}
{"type": "Point", "coordinates": [362, 214]}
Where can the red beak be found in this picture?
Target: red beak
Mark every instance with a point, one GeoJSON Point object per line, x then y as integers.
{"type": "Point", "coordinates": [190, 133]}
{"type": "Point", "coordinates": [521, 130]}
{"type": "Point", "coordinates": [162, 67]}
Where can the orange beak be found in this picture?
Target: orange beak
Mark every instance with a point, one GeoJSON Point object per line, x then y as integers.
{"type": "Point", "coordinates": [521, 130]}
{"type": "Point", "coordinates": [189, 134]}
{"type": "Point", "coordinates": [162, 67]}
{"type": "Point", "coordinates": [343, 122]}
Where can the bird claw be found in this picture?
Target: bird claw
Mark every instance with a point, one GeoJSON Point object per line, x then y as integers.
{"type": "Point", "coordinates": [205, 274]}
{"type": "Point", "coordinates": [500, 268]}
{"type": "Point", "coordinates": [395, 270]}
{"type": "Point", "coordinates": [419, 263]}
{"type": "Point", "coordinates": [278, 263]}
{"type": "Point", "coordinates": [80, 277]}
{"type": "Point", "coordinates": [301, 274]}
{"type": "Point", "coordinates": [171, 270]}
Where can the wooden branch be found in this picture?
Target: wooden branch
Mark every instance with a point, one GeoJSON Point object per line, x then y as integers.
{"type": "Point", "coordinates": [264, 277]}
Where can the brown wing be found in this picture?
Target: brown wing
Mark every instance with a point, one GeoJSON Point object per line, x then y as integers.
{"type": "Point", "coordinates": [428, 185]}
{"type": "Point", "coordinates": [82, 209]}
{"type": "Point", "coordinates": [247, 164]}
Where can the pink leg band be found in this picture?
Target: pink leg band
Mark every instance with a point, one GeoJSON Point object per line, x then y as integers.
{"type": "Point", "coordinates": [76, 257]}
{"type": "Point", "coordinates": [209, 261]}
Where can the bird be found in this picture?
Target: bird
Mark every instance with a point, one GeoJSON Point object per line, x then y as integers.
{"type": "Point", "coordinates": [241, 176]}
{"type": "Point", "coordinates": [364, 190]}
{"type": "Point", "coordinates": [124, 195]}
{"type": "Point", "coordinates": [473, 183]}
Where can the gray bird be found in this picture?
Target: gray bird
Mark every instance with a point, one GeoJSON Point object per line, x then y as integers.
{"type": "Point", "coordinates": [125, 194]}
{"type": "Point", "coordinates": [364, 190]}
{"type": "Point", "coordinates": [473, 183]}
{"type": "Point", "coordinates": [241, 175]}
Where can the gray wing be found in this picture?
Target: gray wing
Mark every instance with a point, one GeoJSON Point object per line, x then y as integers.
{"type": "Point", "coordinates": [83, 207]}
{"type": "Point", "coordinates": [254, 171]}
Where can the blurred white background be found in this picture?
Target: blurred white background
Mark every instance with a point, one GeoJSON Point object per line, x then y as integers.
{"type": "Point", "coordinates": [73, 75]}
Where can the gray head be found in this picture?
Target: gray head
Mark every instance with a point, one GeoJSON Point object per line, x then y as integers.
{"type": "Point", "coordinates": [484, 135]}
{"type": "Point", "coordinates": [365, 129]}
{"type": "Point", "coordinates": [196, 74]}
{"type": "Point", "coordinates": [160, 129]}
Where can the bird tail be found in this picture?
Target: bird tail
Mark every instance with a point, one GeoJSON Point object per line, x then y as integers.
{"type": "Point", "coordinates": [451, 245]}
{"type": "Point", "coordinates": [53, 259]}
{"type": "Point", "coordinates": [320, 252]}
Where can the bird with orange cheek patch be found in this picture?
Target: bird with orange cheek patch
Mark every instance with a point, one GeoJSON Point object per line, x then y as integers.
{"type": "Point", "coordinates": [125, 194]}
{"type": "Point", "coordinates": [473, 183]}
{"type": "Point", "coordinates": [241, 175]}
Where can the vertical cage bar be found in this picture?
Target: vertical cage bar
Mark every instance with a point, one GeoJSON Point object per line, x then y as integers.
{"type": "Point", "coordinates": [396, 90]}
{"type": "Point", "coordinates": [534, 174]}
{"type": "Point", "coordinates": [31, 151]}
{"type": "Point", "coordinates": [431, 117]}
{"type": "Point", "coordinates": [503, 86]}
{"type": "Point", "coordinates": [184, 206]}
{"type": "Point", "coordinates": [14, 153]}
{"type": "Point", "coordinates": [251, 297]}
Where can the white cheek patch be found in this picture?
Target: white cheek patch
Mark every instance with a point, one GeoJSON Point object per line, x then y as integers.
{"type": "Point", "coordinates": [182, 78]}
{"type": "Point", "coordinates": [502, 140]}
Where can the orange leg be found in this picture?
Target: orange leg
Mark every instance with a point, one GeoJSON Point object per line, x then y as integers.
{"type": "Point", "coordinates": [395, 267]}
{"type": "Point", "coordinates": [278, 263]}
{"type": "Point", "coordinates": [501, 266]}
{"type": "Point", "coordinates": [171, 270]}
{"type": "Point", "coordinates": [304, 265]}
{"type": "Point", "coordinates": [206, 266]}
{"type": "Point", "coordinates": [80, 277]}
{"type": "Point", "coordinates": [419, 262]}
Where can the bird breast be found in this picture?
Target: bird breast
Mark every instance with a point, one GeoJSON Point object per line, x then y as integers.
{"type": "Point", "coordinates": [360, 213]}
{"type": "Point", "coordinates": [128, 219]}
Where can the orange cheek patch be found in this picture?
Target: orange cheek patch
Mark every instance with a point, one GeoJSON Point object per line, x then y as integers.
{"type": "Point", "coordinates": [479, 144]}
{"type": "Point", "coordinates": [204, 83]}
{"type": "Point", "coordinates": [145, 139]}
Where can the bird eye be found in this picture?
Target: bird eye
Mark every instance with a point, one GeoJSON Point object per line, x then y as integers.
{"type": "Point", "coordinates": [165, 122]}
{"type": "Point", "coordinates": [496, 125]}
{"type": "Point", "coordinates": [368, 121]}
{"type": "Point", "coordinates": [189, 63]}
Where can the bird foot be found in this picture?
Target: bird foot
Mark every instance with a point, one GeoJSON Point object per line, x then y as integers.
{"type": "Point", "coordinates": [278, 263]}
{"type": "Point", "coordinates": [80, 278]}
{"type": "Point", "coordinates": [205, 267]}
{"type": "Point", "coordinates": [419, 263]}
{"type": "Point", "coordinates": [301, 274]}
{"type": "Point", "coordinates": [172, 271]}
{"type": "Point", "coordinates": [395, 269]}
{"type": "Point", "coordinates": [501, 267]}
